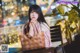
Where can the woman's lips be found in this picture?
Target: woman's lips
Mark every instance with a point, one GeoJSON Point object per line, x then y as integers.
{"type": "Point", "coordinates": [33, 17]}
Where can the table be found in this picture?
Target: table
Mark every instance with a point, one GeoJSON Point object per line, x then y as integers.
{"type": "Point", "coordinates": [43, 50]}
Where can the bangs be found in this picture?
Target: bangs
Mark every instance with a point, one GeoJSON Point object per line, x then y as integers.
{"type": "Point", "coordinates": [35, 10]}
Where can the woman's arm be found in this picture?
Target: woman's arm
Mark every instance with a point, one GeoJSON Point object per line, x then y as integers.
{"type": "Point", "coordinates": [46, 30]}
{"type": "Point", "coordinates": [31, 31]}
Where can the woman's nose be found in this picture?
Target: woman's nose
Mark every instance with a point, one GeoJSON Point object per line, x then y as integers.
{"type": "Point", "coordinates": [33, 14]}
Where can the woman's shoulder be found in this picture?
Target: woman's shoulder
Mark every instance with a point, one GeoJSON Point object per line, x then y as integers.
{"type": "Point", "coordinates": [44, 24]}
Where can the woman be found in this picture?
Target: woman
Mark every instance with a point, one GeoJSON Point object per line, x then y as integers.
{"type": "Point", "coordinates": [36, 25]}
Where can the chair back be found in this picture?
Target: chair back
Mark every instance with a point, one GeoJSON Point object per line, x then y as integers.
{"type": "Point", "coordinates": [56, 34]}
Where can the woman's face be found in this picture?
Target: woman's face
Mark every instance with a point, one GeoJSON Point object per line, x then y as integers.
{"type": "Point", "coordinates": [34, 15]}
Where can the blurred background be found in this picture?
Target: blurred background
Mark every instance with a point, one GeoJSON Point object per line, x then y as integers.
{"type": "Point", "coordinates": [14, 14]}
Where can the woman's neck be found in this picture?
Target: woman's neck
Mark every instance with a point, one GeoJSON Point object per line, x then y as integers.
{"type": "Point", "coordinates": [35, 22]}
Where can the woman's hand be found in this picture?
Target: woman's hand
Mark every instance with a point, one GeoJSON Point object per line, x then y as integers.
{"type": "Point", "coordinates": [35, 27]}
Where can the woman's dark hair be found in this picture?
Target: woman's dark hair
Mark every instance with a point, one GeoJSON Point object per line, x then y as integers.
{"type": "Point", "coordinates": [40, 19]}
